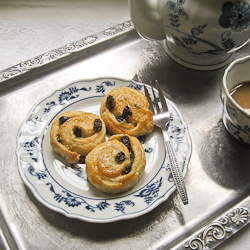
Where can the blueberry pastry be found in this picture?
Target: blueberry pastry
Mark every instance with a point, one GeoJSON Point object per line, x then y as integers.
{"type": "Point", "coordinates": [116, 165]}
{"type": "Point", "coordinates": [126, 111]}
{"type": "Point", "coordinates": [74, 134]}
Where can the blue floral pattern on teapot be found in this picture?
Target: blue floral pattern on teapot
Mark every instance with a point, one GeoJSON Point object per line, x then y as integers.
{"type": "Point", "coordinates": [193, 37]}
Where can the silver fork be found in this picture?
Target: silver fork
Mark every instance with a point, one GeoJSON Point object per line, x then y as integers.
{"type": "Point", "coordinates": [161, 119]}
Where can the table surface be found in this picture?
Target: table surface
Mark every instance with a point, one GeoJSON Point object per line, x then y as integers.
{"type": "Point", "coordinates": [30, 27]}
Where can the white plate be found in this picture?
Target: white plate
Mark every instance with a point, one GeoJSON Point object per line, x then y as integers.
{"type": "Point", "coordinates": [64, 188]}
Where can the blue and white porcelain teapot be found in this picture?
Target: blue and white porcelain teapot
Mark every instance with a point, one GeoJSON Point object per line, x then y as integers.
{"type": "Point", "coordinates": [199, 34]}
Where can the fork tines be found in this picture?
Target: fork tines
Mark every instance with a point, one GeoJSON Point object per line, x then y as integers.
{"type": "Point", "coordinates": [148, 97]}
{"type": "Point", "coordinates": [162, 98]}
{"type": "Point", "coordinates": [164, 106]}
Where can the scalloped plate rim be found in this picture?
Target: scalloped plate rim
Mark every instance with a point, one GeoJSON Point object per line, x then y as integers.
{"type": "Point", "coordinates": [61, 210]}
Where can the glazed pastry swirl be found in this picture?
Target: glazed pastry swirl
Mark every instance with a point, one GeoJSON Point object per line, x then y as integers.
{"type": "Point", "coordinates": [126, 111]}
{"type": "Point", "coordinates": [116, 165]}
{"type": "Point", "coordinates": [75, 133]}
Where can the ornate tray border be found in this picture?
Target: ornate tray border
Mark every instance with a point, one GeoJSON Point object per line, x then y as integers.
{"type": "Point", "coordinates": [64, 51]}
{"type": "Point", "coordinates": [219, 230]}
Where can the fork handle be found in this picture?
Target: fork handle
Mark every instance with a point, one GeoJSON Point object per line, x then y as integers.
{"type": "Point", "coordinates": [175, 168]}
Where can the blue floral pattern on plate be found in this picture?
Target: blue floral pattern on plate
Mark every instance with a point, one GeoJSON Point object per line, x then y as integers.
{"type": "Point", "coordinates": [65, 188]}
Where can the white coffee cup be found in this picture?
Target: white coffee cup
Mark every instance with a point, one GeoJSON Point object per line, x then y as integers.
{"type": "Point", "coordinates": [235, 118]}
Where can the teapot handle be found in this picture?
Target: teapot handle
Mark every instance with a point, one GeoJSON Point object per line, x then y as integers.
{"type": "Point", "coordinates": [147, 19]}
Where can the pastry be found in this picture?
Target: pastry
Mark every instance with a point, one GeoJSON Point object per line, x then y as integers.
{"type": "Point", "coordinates": [126, 111]}
{"type": "Point", "coordinates": [74, 134]}
{"type": "Point", "coordinates": [116, 165]}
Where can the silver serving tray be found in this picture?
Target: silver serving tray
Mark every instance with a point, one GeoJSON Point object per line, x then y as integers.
{"type": "Point", "coordinates": [218, 177]}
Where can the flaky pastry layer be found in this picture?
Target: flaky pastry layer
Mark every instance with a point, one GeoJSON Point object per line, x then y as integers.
{"type": "Point", "coordinates": [136, 122]}
{"type": "Point", "coordinates": [110, 175]}
{"type": "Point", "coordinates": [64, 141]}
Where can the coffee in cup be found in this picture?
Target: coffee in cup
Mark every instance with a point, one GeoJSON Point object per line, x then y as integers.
{"type": "Point", "coordinates": [241, 94]}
